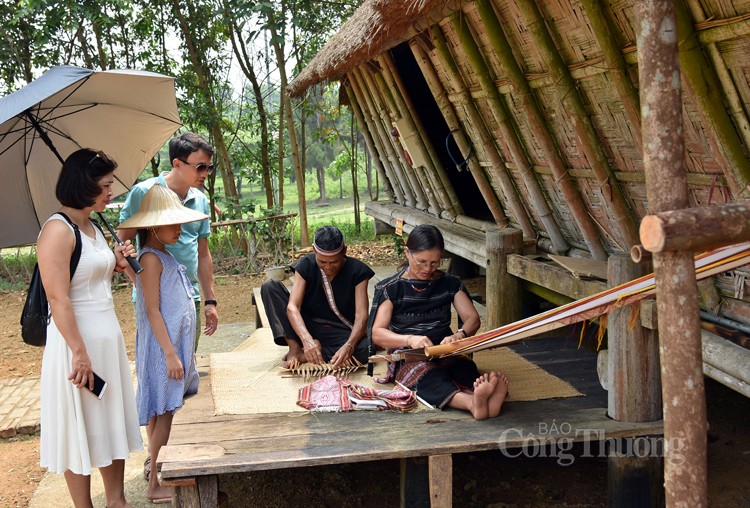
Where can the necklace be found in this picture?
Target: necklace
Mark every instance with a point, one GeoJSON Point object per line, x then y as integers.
{"type": "Point", "coordinates": [417, 289]}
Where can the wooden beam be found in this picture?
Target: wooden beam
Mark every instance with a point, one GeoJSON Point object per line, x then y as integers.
{"type": "Point", "coordinates": [623, 219]}
{"type": "Point", "coordinates": [540, 129]}
{"type": "Point", "coordinates": [696, 229]}
{"type": "Point", "coordinates": [685, 475]}
{"type": "Point", "coordinates": [462, 26]}
{"type": "Point", "coordinates": [735, 104]}
{"type": "Point", "coordinates": [553, 277]}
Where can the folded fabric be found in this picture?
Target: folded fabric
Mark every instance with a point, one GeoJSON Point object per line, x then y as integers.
{"type": "Point", "coordinates": [334, 394]}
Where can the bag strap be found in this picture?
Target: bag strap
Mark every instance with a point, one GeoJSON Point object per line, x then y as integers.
{"type": "Point", "coordinates": [76, 256]}
{"type": "Point", "coordinates": [328, 290]}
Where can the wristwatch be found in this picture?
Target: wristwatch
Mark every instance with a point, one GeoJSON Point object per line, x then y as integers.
{"type": "Point", "coordinates": [463, 332]}
{"type": "Point", "coordinates": [211, 302]}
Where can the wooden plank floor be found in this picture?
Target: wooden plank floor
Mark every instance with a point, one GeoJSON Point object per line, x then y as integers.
{"type": "Point", "coordinates": [274, 441]}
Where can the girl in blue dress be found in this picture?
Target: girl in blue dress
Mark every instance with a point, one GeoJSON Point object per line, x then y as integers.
{"type": "Point", "coordinates": [165, 315]}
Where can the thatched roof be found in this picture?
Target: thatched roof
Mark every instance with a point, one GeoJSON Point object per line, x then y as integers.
{"type": "Point", "coordinates": [376, 26]}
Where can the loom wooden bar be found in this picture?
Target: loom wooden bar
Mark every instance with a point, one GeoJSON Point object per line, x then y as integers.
{"type": "Point", "coordinates": [676, 294]}
{"type": "Point", "coordinates": [503, 290]}
{"type": "Point", "coordinates": [540, 127]}
{"type": "Point", "coordinates": [697, 228]}
{"type": "Point", "coordinates": [738, 310]}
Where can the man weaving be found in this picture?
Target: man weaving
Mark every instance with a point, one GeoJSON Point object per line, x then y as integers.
{"type": "Point", "coordinates": [324, 318]}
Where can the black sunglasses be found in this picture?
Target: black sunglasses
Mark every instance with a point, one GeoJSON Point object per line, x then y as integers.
{"type": "Point", "coordinates": [200, 167]}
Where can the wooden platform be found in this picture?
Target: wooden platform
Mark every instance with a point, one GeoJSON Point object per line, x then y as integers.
{"type": "Point", "coordinates": [203, 446]}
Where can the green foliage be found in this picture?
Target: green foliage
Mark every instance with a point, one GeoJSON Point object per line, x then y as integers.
{"type": "Point", "coordinates": [16, 266]}
{"type": "Point", "coordinates": [348, 228]}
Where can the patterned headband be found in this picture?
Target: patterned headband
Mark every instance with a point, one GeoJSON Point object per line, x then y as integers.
{"type": "Point", "coordinates": [324, 252]}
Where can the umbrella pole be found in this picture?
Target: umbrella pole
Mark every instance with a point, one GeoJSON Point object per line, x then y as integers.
{"type": "Point", "coordinates": [134, 264]}
{"type": "Point", "coordinates": [43, 135]}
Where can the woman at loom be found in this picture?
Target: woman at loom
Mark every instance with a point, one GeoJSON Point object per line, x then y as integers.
{"type": "Point", "coordinates": [414, 311]}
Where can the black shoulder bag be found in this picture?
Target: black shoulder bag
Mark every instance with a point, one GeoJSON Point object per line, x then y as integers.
{"type": "Point", "coordinates": [36, 314]}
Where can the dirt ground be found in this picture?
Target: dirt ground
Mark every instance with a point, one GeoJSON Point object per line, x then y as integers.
{"type": "Point", "coordinates": [480, 479]}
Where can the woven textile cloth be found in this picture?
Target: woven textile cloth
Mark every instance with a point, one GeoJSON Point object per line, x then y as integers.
{"type": "Point", "coordinates": [333, 394]}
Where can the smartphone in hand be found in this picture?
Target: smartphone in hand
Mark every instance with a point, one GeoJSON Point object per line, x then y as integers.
{"type": "Point", "coordinates": [99, 386]}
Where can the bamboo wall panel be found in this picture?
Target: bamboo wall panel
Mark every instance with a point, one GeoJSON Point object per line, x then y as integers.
{"type": "Point", "coordinates": [519, 38]}
{"type": "Point", "coordinates": [721, 9]}
{"type": "Point", "coordinates": [573, 36]}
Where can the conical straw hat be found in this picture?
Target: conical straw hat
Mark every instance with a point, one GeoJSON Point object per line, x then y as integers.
{"type": "Point", "coordinates": [161, 207]}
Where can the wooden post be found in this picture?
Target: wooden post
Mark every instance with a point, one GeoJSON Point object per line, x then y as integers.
{"type": "Point", "coordinates": [503, 289]}
{"type": "Point", "coordinates": [633, 358]}
{"type": "Point", "coordinates": [685, 427]}
{"type": "Point", "coordinates": [539, 126]}
{"type": "Point", "coordinates": [415, 485]}
{"type": "Point", "coordinates": [441, 481]}
{"type": "Point", "coordinates": [634, 395]}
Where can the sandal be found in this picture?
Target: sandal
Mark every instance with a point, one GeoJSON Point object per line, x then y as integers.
{"type": "Point", "coordinates": [147, 468]}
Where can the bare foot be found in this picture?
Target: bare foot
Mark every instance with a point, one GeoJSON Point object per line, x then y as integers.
{"type": "Point", "coordinates": [293, 360]}
{"type": "Point", "coordinates": [499, 382]}
{"type": "Point", "coordinates": [159, 494]}
{"type": "Point", "coordinates": [480, 402]}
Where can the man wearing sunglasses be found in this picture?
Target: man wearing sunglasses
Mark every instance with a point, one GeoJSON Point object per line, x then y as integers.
{"type": "Point", "coordinates": [191, 158]}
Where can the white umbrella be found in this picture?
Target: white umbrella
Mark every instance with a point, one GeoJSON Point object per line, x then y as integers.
{"type": "Point", "coordinates": [127, 114]}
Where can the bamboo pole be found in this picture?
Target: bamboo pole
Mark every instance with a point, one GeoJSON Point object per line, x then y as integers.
{"type": "Point", "coordinates": [736, 108]}
{"type": "Point", "coordinates": [473, 120]}
{"type": "Point", "coordinates": [446, 107]}
{"type": "Point", "coordinates": [706, 87]}
{"type": "Point", "coordinates": [538, 125]}
{"type": "Point", "coordinates": [369, 141]}
{"type": "Point", "coordinates": [616, 66]}
{"type": "Point", "coordinates": [422, 183]}
{"type": "Point", "coordinates": [385, 138]}
{"type": "Point", "coordinates": [582, 125]}
{"type": "Point", "coordinates": [728, 29]}
{"type": "Point", "coordinates": [443, 186]}
{"type": "Point", "coordinates": [700, 228]}
{"type": "Point", "coordinates": [509, 133]}
{"type": "Point", "coordinates": [685, 475]}
{"type": "Point", "coordinates": [415, 189]}
{"type": "Point", "coordinates": [392, 177]}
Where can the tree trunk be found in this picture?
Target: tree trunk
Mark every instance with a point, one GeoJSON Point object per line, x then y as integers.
{"type": "Point", "coordinates": [288, 113]}
{"type": "Point", "coordinates": [246, 64]}
{"type": "Point", "coordinates": [353, 161]}
{"type": "Point", "coordinates": [321, 175]}
{"type": "Point", "coordinates": [227, 175]}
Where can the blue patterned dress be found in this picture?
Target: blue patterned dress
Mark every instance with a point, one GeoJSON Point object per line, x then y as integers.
{"type": "Point", "coordinates": [157, 393]}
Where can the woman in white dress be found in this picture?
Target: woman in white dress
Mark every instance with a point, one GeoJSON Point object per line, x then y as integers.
{"type": "Point", "coordinates": [78, 430]}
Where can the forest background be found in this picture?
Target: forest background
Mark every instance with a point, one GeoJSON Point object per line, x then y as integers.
{"type": "Point", "coordinates": [232, 60]}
